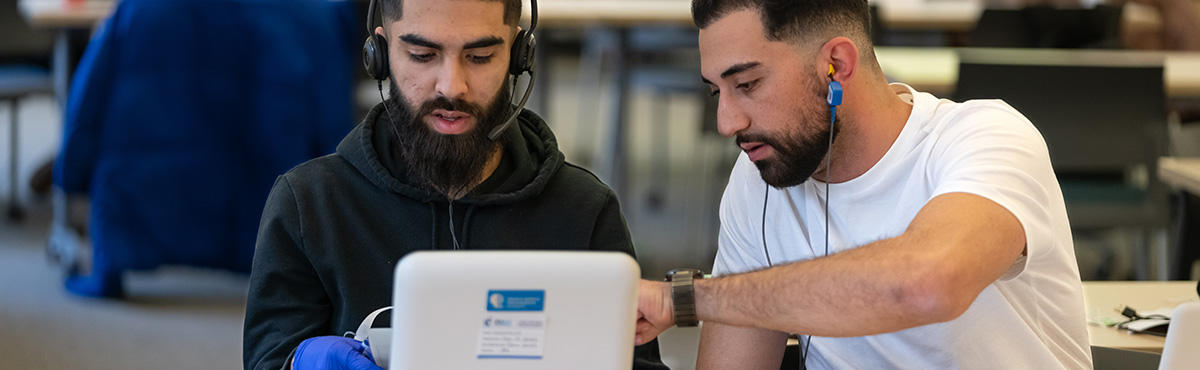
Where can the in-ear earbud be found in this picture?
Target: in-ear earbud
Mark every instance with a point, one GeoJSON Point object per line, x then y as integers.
{"type": "Point", "coordinates": [835, 95]}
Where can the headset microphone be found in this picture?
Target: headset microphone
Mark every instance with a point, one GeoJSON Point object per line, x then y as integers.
{"type": "Point", "coordinates": [517, 111]}
{"type": "Point", "coordinates": [521, 61]}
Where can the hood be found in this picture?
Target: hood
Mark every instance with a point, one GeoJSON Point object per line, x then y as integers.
{"type": "Point", "coordinates": [529, 146]}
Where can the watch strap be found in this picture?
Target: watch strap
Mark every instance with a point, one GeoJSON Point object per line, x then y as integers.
{"type": "Point", "coordinates": [683, 295]}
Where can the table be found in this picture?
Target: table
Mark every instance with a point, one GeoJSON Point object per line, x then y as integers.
{"type": "Point", "coordinates": [933, 15]}
{"type": "Point", "coordinates": [74, 21]}
{"type": "Point", "coordinates": [935, 70]}
{"type": "Point", "coordinates": [1181, 172]}
{"type": "Point", "coordinates": [65, 14]}
{"type": "Point", "coordinates": [1101, 297]}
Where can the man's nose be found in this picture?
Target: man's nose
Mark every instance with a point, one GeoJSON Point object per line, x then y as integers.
{"type": "Point", "coordinates": [452, 80]}
{"type": "Point", "coordinates": [730, 118]}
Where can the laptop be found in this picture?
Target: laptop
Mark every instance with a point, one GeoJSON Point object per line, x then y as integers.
{"type": "Point", "coordinates": [499, 310]}
{"type": "Point", "coordinates": [1180, 351]}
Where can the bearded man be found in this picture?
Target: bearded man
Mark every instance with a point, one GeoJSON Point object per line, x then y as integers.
{"type": "Point", "coordinates": [883, 226]}
{"type": "Point", "coordinates": [421, 172]}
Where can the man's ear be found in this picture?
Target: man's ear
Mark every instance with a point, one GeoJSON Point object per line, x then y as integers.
{"type": "Point", "coordinates": [842, 53]}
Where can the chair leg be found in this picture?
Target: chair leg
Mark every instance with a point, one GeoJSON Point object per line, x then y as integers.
{"type": "Point", "coordinates": [15, 213]}
{"type": "Point", "coordinates": [1141, 253]}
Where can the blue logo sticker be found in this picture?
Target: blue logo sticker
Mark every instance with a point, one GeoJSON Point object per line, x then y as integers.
{"type": "Point", "coordinates": [516, 300]}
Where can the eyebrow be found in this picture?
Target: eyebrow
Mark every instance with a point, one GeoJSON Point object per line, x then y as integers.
{"type": "Point", "coordinates": [484, 42]}
{"type": "Point", "coordinates": [426, 43]}
{"type": "Point", "coordinates": [420, 41]}
{"type": "Point", "coordinates": [735, 69]}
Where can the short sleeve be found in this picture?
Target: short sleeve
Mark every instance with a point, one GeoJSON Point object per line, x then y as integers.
{"type": "Point", "coordinates": [991, 150]}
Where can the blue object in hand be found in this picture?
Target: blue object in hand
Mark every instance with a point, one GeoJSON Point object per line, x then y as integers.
{"type": "Point", "coordinates": [333, 353]}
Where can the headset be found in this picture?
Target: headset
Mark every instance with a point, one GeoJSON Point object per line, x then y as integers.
{"type": "Point", "coordinates": [521, 59]}
{"type": "Point", "coordinates": [834, 99]}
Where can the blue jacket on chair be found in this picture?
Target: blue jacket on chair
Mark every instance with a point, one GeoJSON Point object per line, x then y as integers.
{"type": "Point", "coordinates": [183, 112]}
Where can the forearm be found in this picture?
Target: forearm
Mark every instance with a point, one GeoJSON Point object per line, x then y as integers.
{"type": "Point", "coordinates": [873, 289]}
{"type": "Point", "coordinates": [731, 347]}
{"type": "Point", "coordinates": [954, 248]}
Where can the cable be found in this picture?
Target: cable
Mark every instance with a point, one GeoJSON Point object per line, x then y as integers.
{"type": "Point", "coordinates": [764, 225]}
{"type": "Point", "coordinates": [828, 198]}
{"type": "Point", "coordinates": [383, 101]}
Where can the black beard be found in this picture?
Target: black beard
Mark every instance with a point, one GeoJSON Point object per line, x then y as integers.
{"type": "Point", "coordinates": [797, 155]}
{"type": "Point", "coordinates": [449, 164]}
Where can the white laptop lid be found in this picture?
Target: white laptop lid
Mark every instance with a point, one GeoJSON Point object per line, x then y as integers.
{"type": "Point", "coordinates": [525, 310]}
{"type": "Point", "coordinates": [1182, 347]}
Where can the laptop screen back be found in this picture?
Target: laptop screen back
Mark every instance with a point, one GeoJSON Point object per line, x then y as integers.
{"type": "Point", "coordinates": [524, 310]}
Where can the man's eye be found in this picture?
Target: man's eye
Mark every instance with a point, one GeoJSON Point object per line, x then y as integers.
{"type": "Point", "coordinates": [715, 93]}
{"type": "Point", "coordinates": [421, 58]}
{"type": "Point", "coordinates": [480, 59]}
{"type": "Point", "coordinates": [747, 86]}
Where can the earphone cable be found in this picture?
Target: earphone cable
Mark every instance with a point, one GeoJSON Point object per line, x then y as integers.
{"type": "Point", "coordinates": [764, 225]}
{"type": "Point", "coordinates": [390, 121]}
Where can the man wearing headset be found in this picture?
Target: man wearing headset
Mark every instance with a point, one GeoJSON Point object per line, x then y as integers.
{"type": "Point", "coordinates": [445, 163]}
{"type": "Point", "coordinates": [910, 232]}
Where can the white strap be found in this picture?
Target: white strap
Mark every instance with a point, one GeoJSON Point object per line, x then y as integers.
{"type": "Point", "coordinates": [367, 323]}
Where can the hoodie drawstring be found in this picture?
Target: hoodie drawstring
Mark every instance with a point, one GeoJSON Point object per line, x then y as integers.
{"type": "Point", "coordinates": [453, 237]}
{"type": "Point", "coordinates": [434, 231]}
{"type": "Point", "coordinates": [467, 224]}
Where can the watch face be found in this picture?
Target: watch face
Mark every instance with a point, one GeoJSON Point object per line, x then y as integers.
{"type": "Point", "coordinates": [694, 273]}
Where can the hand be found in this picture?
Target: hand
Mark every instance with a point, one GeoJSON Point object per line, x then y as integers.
{"type": "Point", "coordinates": [656, 310]}
{"type": "Point", "coordinates": [332, 353]}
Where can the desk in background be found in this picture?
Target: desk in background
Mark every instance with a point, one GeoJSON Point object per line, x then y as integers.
{"type": "Point", "coordinates": [73, 20]}
{"type": "Point", "coordinates": [65, 14]}
{"type": "Point", "coordinates": [1180, 172]}
{"type": "Point", "coordinates": [1101, 297]}
{"type": "Point", "coordinates": [935, 70]}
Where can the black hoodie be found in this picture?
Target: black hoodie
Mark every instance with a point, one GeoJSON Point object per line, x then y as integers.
{"type": "Point", "coordinates": [334, 227]}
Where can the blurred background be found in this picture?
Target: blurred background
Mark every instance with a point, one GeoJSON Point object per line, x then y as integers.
{"type": "Point", "coordinates": [159, 126]}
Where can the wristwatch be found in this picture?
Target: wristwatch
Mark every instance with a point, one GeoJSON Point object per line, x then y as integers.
{"type": "Point", "coordinates": [683, 296]}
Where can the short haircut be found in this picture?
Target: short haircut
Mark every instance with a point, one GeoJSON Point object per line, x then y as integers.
{"type": "Point", "coordinates": [795, 20]}
{"type": "Point", "coordinates": [393, 10]}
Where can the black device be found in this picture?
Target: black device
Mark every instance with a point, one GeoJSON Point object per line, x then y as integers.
{"type": "Point", "coordinates": [375, 59]}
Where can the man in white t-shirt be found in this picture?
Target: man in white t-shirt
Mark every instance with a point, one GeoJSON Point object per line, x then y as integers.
{"type": "Point", "coordinates": [911, 232]}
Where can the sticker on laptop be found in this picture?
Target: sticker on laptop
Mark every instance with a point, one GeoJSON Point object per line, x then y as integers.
{"type": "Point", "coordinates": [514, 326]}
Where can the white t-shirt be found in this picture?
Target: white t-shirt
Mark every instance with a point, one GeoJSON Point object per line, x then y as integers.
{"type": "Point", "coordinates": [1031, 318]}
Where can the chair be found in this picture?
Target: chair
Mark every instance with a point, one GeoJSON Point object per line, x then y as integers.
{"type": "Point", "coordinates": [1103, 116]}
{"type": "Point", "coordinates": [17, 82]}
{"type": "Point", "coordinates": [24, 55]}
{"type": "Point", "coordinates": [1047, 27]}
{"type": "Point", "coordinates": [181, 115]}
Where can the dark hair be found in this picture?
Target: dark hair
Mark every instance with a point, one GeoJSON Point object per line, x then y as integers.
{"type": "Point", "coordinates": [393, 10]}
{"type": "Point", "coordinates": [791, 20]}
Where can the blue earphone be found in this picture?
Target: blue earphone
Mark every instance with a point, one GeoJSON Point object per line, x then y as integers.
{"type": "Point", "coordinates": [835, 95]}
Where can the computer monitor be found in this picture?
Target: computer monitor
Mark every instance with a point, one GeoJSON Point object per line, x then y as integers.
{"type": "Point", "coordinates": [500, 310]}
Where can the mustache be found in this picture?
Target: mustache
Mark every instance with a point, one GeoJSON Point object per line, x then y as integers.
{"type": "Point", "coordinates": [453, 105]}
{"type": "Point", "coordinates": [753, 138]}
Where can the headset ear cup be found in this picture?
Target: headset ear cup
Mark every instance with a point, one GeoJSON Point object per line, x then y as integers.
{"type": "Point", "coordinates": [375, 57]}
{"type": "Point", "coordinates": [521, 60]}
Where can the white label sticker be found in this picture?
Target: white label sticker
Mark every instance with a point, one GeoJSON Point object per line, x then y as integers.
{"type": "Point", "coordinates": [512, 335]}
